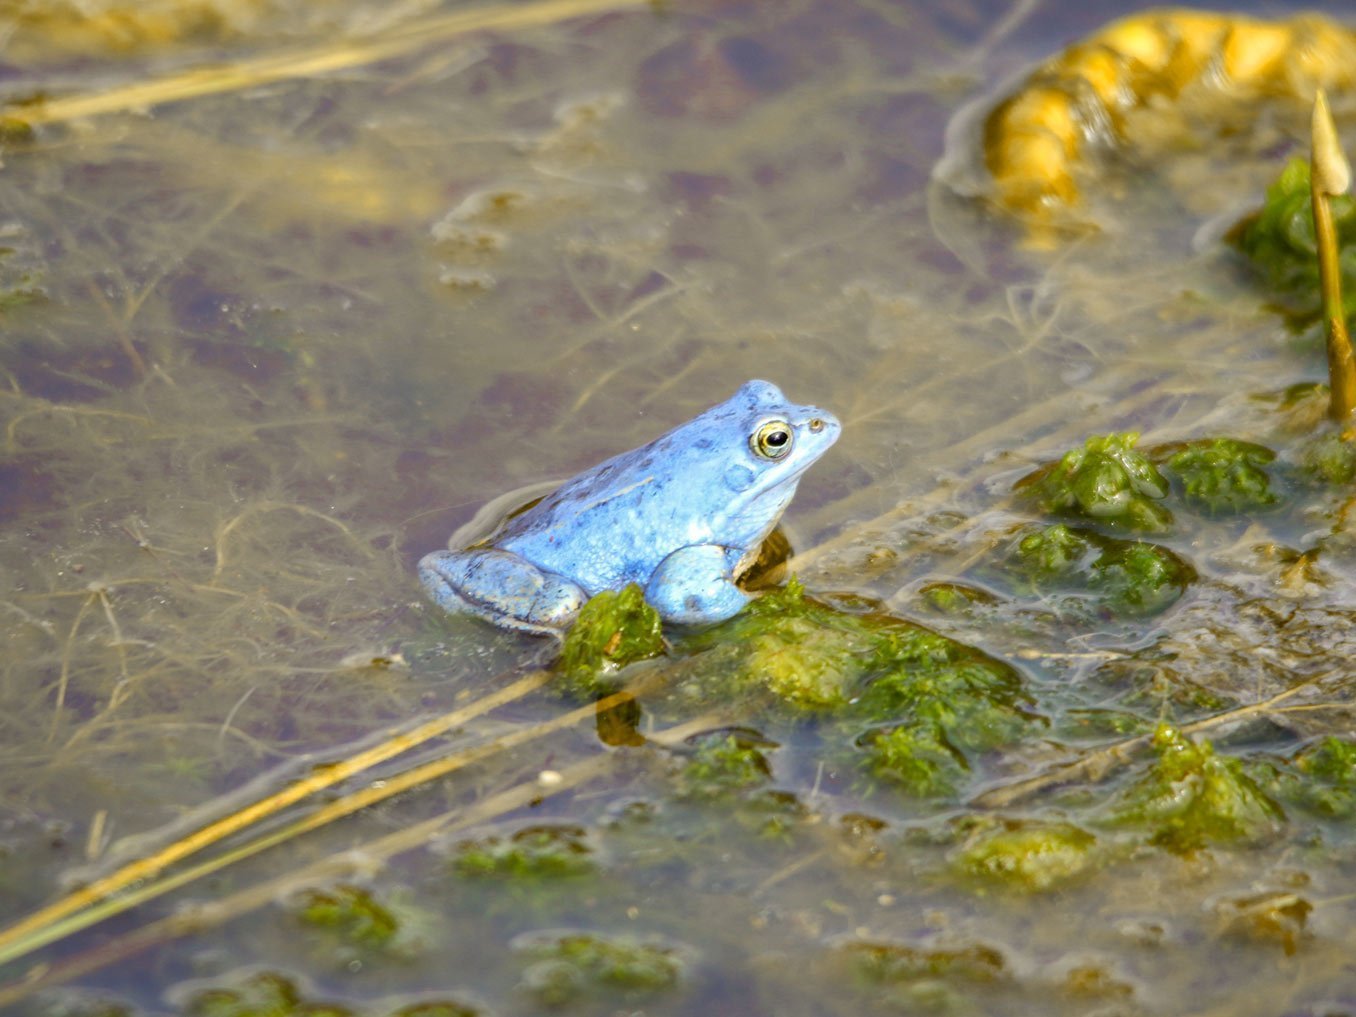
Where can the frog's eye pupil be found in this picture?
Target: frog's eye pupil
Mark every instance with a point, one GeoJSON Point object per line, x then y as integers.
{"type": "Point", "coordinates": [772, 440]}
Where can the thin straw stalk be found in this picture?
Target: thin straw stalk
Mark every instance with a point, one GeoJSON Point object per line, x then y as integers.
{"type": "Point", "coordinates": [1330, 175]}
{"type": "Point", "coordinates": [210, 915]}
{"type": "Point", "coordinates": [323, 777]}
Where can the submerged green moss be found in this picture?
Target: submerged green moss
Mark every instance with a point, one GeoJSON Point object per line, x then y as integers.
{"type": "Point", "coordinates": [1279, 241]}
{"type": "Point", "coordinates": [543, 852]}
{"type": "Point", "coordinates": [724, 764]}
{"type": "Point", "coordinates": [915, 757]}
{"type": "Point", "coordinates": [1329, 458]}
{"type": "Point", "coordinates": [1127, 578]}
{"type": "Point", "coordinates": [351, 913]}
{"type": "Point", "coordinates": [1323, 779]}
{"type": "Point", "coordinates": [1223, 475]}
{"type": "Point", "coordinates": [954, 598]}
{"type": "Point", "coordinates": [1053, 553]}
{"type": "Point", "coordinates": [1191, 797]}
{"type": "Point", "coordinates": [1133, 578]}
{"type": "Point", "coordinates": [615, 628]}
{"type": "Point", "coordinates": [437, 1008]}
{"type": "Point", "coordinates": [1028, 855]}
{"type": "Point", "coordinates": [1106, 480]}
{"type": "Point", "coordinates": [933, 980]}
{"type": "Point", "coordinates": [914, 701]}
{"type": "Point", "coordinates": [565, 966]}
{"type": "Point", "coordinates": [266, 994]}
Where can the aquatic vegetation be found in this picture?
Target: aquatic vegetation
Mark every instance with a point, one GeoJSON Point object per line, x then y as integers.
{"type": "Point", "coordinates": [1026, 855]}
{"type": "Point", "coordinates": [273, 994]}
{"type": "Point", "coordinates": [614, 628]}
{"type": "Point", "coordinates": [1322, 779]}
{"type": "Point", "coordinates": [1191, 798]}
{"type": "Point", "coordinates": [1280, 241]}
{"type": "Point", "coordinates": [931, 979]}
{"type": "Point", "coordinates": [1035, 141]}
{"type": "Point", "coordinates": [1135, 578]}
{"type": "Point", "coordinates": [1106, 480]}
{"type": "Point", "coordinates": [21, 268]}
{"type": "Point", "coordinates": [1052, 553]}
{"type": "Point", "coordinates": [917, 758]}
{"type": "Point", "coordinates": [1124, 578]}
{"type": "Point", "coordinates": [437, 1008]}
{"type": "Point", "coordinates": [955, 598]}
{"type": "Point", "coordinates": [1222, 476]}
{"type": "Point", "coordinates": [562, 966]}
{"type": "Point", "coordinates": [534, 853]}
{"type": "Point", "coordinates": [725, 763]}
{"type": "Point", "coordinates": [351, 913]}
{"type": "Point", "coordinates": [913, 702]}
{"type": "Point", "coordinates": [1329, 458]}
{"type": "Point", "coordinates": [265, 994]}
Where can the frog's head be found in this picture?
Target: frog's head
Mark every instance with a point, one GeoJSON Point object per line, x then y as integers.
{"type": "Point", "coordinates": [772, 443]}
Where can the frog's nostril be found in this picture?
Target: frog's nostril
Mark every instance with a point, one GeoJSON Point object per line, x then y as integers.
{"type": "Point", "coordinates": [816, 425]}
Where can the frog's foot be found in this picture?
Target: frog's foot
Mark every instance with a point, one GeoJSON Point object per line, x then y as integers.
{"type": "Point", "coordinates": [695, 584]}
{"type": "Point", "coordinates": [501, 588]}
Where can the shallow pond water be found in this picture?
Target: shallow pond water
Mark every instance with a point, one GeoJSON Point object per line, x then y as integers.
{"type": "Point", "coordinates": [264, 346]}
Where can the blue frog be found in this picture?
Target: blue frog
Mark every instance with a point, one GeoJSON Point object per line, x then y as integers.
{"type": "Point", "coordinates": [682, 516]}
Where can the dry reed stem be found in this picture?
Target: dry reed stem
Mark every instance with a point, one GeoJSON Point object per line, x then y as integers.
{"type": "Point", "coordinates": [1329, 176]}
{"type": "Point", "coordinates": [338, 809]}
{"type": "Point", "coordinates": [309, 62]}
{"type": "Point", "coordinates": [323, 777]}
{"type": "Point", "coordinates": [361, 858]}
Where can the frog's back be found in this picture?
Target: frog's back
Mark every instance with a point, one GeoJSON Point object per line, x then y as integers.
{"type": "Point", "coordinates": [615, 523]}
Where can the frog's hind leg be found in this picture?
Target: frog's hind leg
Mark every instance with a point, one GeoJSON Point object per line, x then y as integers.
{"type": "Point", "coordinates": [501, 588]}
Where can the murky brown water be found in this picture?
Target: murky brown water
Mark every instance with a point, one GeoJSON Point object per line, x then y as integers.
{"type": "Point", "coordinates": [264, 348]}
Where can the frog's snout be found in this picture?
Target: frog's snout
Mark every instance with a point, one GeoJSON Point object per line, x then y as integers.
{"type": "Point", "coordinates": [816, 425]}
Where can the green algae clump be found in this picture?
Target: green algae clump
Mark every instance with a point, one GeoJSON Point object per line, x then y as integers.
{"type": "Point", "coordinates": [535, 853]}
{"type": "Point", "coordinates": [916, 758]}
{"type": "Point", "coordinates": [1325, 779]}
{"type": "Point", "coordinates": [918, 979]}
{"type": "Point", "coordinates": [566, 966]}
{"type": "Point", "coordinates": [1135, 578]}
{"type": "Point", "coordinates": [722, 765]}
{"type": "Point", "coordinates": [1030, 856]}
{"type": "Point", "coordinates": [913, 702]}
{"type": "Point", "coordinates": [1107, 481]}
{"type": "Point", "coordinates": [801, 650]}
{"type": "Point", "coordinates": [1329, 459]}
{"type": "Point", "coordinates": [350, 912]}
{"type": "Point", "coordinates": [266, 994]}
{"type": "Point", "coordinates": [437, 1008]}
{"type": "Point", "coordinates": [1279, 240]}
{"type": "Point", "coordinates": [1222, 476]}
{"type": "Point", "coordinates": [615, 628]}
{"type": "Point", "coordinates": [1127, 578]}
{"type": "Point", "coordinates": [1191, 798]}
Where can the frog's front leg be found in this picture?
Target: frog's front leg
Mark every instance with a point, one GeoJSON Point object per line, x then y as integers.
{"type": "Point", "coordinates": [696, 584]}
{"type": "Point", "coordinates": [501, 588]}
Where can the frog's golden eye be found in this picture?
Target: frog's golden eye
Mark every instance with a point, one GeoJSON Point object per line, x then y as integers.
{"type": "Point", "coordinates": [772, 440]}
